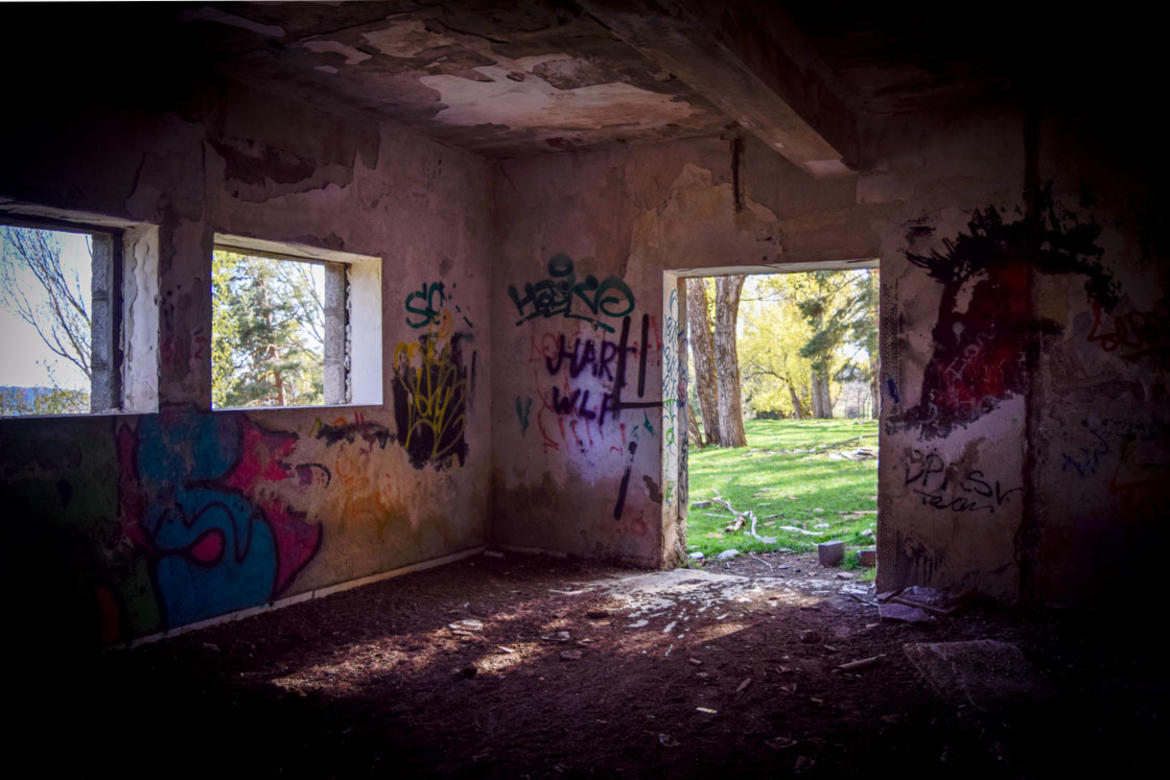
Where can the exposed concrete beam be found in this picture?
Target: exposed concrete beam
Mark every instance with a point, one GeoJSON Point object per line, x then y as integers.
{"type": "Point", "coordinates": [752, 63]}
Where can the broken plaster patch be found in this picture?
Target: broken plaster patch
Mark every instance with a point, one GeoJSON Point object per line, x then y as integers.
{"type": "Point", "coordinates": [352, 56]}
{"type": "Point", "coordinates": [406, 39]}
{"type": "Point", "coordinates": [534, 103]}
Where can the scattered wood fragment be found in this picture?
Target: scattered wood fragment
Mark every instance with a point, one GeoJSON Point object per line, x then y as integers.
{"type": "Point", "coordinates": [780, 743]}
{"type": "Point", "coordinates": [761, 560]}
{"type": "Point", "coordinates": [741, 519]}
{"type": "Point", "coordinates": [860, 663]}
{"type": "Point", "coordinates": [795, 530]}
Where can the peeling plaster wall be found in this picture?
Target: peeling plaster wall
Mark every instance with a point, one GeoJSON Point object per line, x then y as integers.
{"type": "Point", "coordinates": [276, 502]}
{"type": "Point", "coordinates": [951, 462]}
{"type": "Point", "coordinates": [578, 433]}
{"type": "Point", "coordinates": [1023, 431]}
{"type": "Point", "coordinates": [1101, 419]}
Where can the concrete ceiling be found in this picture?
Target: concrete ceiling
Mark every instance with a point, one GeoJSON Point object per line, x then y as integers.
{"type": "Point", "coordinates": [510, 78]}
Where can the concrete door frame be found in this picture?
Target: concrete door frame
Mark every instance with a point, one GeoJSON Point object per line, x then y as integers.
{"type": "Point", "coordinates": [673, 441]}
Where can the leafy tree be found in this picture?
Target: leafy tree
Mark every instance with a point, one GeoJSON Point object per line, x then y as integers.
{"type": "Point", "coordinates": [804, 335]}
{"type": "Point", "coordinates": [841, 310]}
{"type": "Point", "coordinates": [45, 292]}
{"type": "Point", "coordinates": [267, 326]}
{"type": "Point", "coordinates": [777, 380]}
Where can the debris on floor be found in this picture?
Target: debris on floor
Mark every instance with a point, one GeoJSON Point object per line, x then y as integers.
{"type": "Point", "coordinates": [980, 673]}
{"type": "Point", "coordinates": [900, 612]}
{"type": "Point", "coordinates": [769, 666]}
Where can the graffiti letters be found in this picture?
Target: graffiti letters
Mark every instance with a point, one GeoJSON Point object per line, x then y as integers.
{"type": "Point", "coordinates": [1129, 452]}
{"type": "Point", "coordinates": [598, 357]}
{"type": "Point", "coordinates": [556, 296]}
{"type": "Point", "coordinates": [425, 306]}
{"type": "Point", "coordinates": [604, 360]}
{"type": "Point", "coordinates": [949, 487]}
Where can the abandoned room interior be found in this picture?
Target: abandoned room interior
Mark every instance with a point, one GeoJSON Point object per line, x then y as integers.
{"type": "Point", "coordinates": [487, 176]}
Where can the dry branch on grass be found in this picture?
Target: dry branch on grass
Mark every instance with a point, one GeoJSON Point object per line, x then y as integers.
{"type": "Point", "coordinates": [741, 519]}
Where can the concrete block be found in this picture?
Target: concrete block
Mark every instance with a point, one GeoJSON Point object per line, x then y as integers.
{"type": "Point", "coordinates": [831, 553]}
{"type": "Point", "coordinates": [867, 557]}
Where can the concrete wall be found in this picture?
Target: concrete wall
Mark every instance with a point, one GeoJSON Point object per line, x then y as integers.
{"type": "Point", "coordinates": [1023, 422]}
{"type": "Point", "coordinates": [1022, 328]}
{"type": "Point", "coordinates": [578, 431]}
{"type": "Point", "coordinates": [120, 526]}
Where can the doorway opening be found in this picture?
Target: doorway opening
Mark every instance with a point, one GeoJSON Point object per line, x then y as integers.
{"type": "Point", "coordinates": [778, 394]}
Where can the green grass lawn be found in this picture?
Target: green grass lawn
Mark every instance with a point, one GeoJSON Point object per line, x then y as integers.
{"type": "Point", "coordinates": [788, 476]}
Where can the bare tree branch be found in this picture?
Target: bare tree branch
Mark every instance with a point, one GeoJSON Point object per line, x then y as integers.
{"type": "Point", "coordinates": [56, 306]}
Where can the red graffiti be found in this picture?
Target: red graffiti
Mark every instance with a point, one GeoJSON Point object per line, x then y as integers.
{"type": "Point", "coordinates": [1138, 333]}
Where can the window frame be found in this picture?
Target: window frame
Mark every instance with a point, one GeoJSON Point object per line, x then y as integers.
{"type": "Point", "coordinates": [352, 318]}
{"type": "Point", "coordinates": [123, 298]}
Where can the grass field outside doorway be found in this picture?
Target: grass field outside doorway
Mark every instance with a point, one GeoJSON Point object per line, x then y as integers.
{"type": "Point", "coordinates": [807, 481]}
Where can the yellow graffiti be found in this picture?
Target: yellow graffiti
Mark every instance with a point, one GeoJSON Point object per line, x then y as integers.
{"type": "Point", "coordinates": [436, 398]}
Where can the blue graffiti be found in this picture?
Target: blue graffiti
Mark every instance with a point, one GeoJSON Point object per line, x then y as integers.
{"type": "Point", "coordinates": [214, 548]}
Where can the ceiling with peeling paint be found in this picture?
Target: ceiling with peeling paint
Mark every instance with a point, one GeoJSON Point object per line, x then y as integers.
{"type": "Point", "coordinates": [501, 78]}
{"type": "Point", "coordinates": [509, 78]}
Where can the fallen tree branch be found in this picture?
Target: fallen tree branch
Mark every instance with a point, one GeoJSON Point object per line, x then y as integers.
{"type": "Point", "coordinates": [761, 560]}
{"type": "Point", "coordinates": [741, 518]}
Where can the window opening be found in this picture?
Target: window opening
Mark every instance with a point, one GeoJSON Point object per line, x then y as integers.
{"type": "Point", "coordinates": [279, 335]}
{"type": "Point", "coordinates": [60, 316]}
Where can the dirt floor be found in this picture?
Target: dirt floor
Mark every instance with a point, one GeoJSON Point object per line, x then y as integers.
{"type": "Point", "coordinates": [518, 666]}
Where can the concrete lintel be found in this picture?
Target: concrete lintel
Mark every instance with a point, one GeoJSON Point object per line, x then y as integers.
{"type": "Point", "coordinates": [778, 268]}
{"type": "Point", "coordinates": [775, 89]}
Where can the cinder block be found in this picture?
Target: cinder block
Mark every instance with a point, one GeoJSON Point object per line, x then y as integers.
{"type": "Point", "coordinates": [867, 557]}
{"type": "Point", "coordinates": [831, 553]}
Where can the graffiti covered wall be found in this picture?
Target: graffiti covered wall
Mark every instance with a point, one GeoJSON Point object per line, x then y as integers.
{"type": "Point", "coordinates": [144, 523]}
{"type": "Point", "coordinates": [590, 447]}
{"type": "Point", "coordinates": [1014, 304]}
{"type": "Point", "coordinates": [533, 359]}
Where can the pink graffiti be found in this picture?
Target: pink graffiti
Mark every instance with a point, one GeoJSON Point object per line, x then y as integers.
{"type": "Point", "coordinates": [262, 460]}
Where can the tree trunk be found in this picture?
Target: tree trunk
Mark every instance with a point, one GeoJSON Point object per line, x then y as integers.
{"type": "Point", "coordinates": [822, 404]}
{"type": "Point", "coordinates": [703, 349]}
{"type": "Point", "coordinates": [693, 427]}
{"type": "Point", "coordinates": [727, 290]}
{"type": "Point", "coordinates": [874, 395]}
{"type": "Point", "coordinates": [798, 410]}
